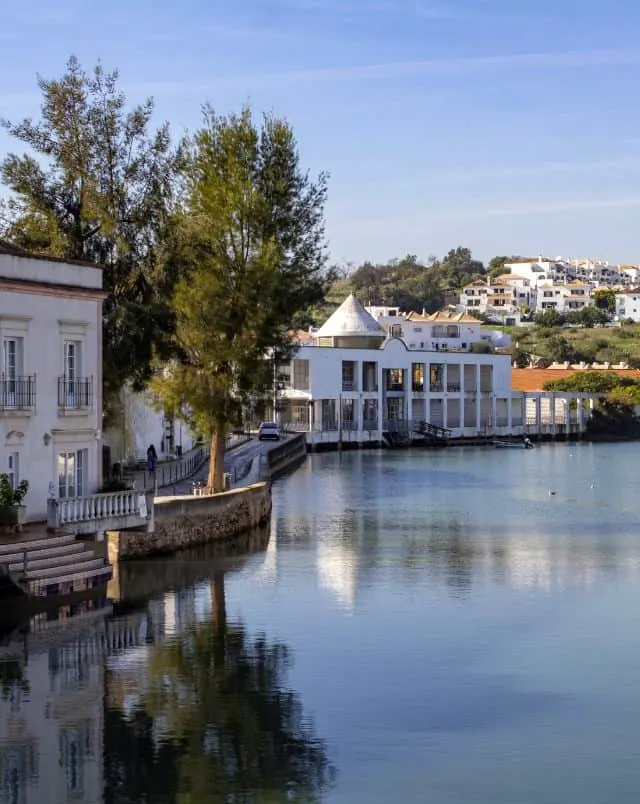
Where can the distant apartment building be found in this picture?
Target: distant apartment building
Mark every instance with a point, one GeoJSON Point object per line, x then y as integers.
{"type": "Point", "coordinates": [505, 299]}
{"type": "Point", "coordinates": [628, 305]}
{"type": "Point", "coordinates": [564, 298]}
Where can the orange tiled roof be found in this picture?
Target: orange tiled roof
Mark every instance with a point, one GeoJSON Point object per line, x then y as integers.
{"type": "Point", "coordinates": [534, 379]}
{"type": "Point", "coordinates": [444, 316]}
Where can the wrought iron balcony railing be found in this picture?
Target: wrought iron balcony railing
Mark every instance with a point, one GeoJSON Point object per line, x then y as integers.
{"type": "Point", "coordinates": [17, 393]}
{"type": "Point", "coordinates": [75, 393]}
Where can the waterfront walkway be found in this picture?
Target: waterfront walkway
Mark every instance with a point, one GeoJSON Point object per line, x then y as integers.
{"type": "Point", "coordinates": [177, 476]}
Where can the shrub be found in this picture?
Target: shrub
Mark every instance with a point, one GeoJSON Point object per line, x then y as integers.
{"type": "Point", "coordinates": [10, 497]}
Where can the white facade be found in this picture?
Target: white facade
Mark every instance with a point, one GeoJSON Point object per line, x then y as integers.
{"type": "Point", "coordinates": [330, 391]}
{"type": "Point", "coordinates": [564, 298]}
{"type": "Point", "coordinates": [50, 377]}
{"type": "Point", "coordinates": [139, 423]}
{"type": "Point", "coordinates": [508, 297]}
{"type": "Point", "coordinates": [628, 305]}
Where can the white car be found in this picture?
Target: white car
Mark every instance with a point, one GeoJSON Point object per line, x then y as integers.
{"type": "Point", "coordinates": [268, 430]}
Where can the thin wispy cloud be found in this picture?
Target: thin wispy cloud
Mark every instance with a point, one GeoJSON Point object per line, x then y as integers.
{"type": "Point", "coordinates": [495, 172]}
{"type": "Point", "coordinates": [540, 61]}
{"type": "Point", "coordinates": [417, 224]}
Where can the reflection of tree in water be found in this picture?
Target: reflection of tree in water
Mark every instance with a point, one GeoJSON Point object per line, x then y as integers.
{"type": "Point", "coordinates": [230, 728]}
{"type": "Point", "coordinates": [12, 676]}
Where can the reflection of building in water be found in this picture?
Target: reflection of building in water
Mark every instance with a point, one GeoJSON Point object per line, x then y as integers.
{"type": "Point", "coordinates": [337, 565]}
{"type": "Point", "coordinates": [51, 719]}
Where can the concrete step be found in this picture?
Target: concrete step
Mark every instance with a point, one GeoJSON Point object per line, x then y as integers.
{"type": "Point", "coordinates": [65, 584]}
{"type": "Point", "coordinates": [33, 545]}
{"type": "Point", "coordinates": [75, 567]}
{"type": "Point", "coordinates": [66, 551]}
{"type": "Point", "coordinates": [58, 559]}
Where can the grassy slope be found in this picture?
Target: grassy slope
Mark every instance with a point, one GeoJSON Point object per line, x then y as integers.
{"type": "Point", "coordinates": [610, 344]}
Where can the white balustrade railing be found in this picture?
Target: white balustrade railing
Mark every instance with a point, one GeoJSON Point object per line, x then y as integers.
{"type": "Point", "coordinates": [96, 507]}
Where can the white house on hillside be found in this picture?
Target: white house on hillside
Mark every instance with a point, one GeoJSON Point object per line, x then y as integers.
{"type": "Point", "coordinates": [564, 298]}
{"type": "Point", "coordinates": [356, 380]}
{"type": "Point", "coordinates": [628, 305]}
{"type": "Point", "coordinates": [50, 377]}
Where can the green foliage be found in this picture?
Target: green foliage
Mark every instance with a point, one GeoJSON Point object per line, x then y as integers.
{"type": "Point", "coordinates": [587, 317]}
{"type": "Point", "coordinates": [407, 283]}
{"type": "Point", "coordinates": [114, 484]}
{"type": "Point", "coordinates": [98, 186]}
{"type": "Point", "coordinates": [211, 681]}
{"type": "Point", "coordinates": [596, 382]}
{"type": "Point", "coordinates": [250, 249]}
{"type": "Point", "coordinates": [10, 497]}
{"type": "Point", "coordinates": [481, 348]}
{"type": "Point", "coordinates": [605, 299]}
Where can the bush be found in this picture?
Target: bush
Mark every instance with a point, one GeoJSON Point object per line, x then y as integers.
{"type": "Point", "coordinates": [114, 484]}
{"type": "Point", "coordinates": [10, 497]}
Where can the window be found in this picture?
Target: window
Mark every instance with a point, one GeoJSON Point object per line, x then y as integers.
{"type": "Point", "coordinates": [301, 375]}
{"type": "Point", "coordinates": [72, 470]}
{"type": "Point", "coordinates": [13, 469]}
{"type": "Point", "coordinates": [369, 376]}
{"type": "Point", "coordinates": [72, 372]}
{"type": "Point", "coordinates": [349, 376]}
{"type": "Point", "coordinates": [348, 414]}
{"type": "Point", "coordinates": [395, 331]}
{"type": "Point", "coordinates": [11, 370]}
{"type": "Point", "coordinates": [370, 414]}
{"type": "Point", "coordinates": [395, 380]}
{"type": "Point", "coordinates": [417, 377]}
{"type": "Point", "coordinates": [436, 377]}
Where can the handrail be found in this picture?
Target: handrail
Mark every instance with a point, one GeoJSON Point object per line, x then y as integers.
{"type": "Point", "coordinates": [93, 508]}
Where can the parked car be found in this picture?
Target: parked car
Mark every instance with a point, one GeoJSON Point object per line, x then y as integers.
{"type": "Point", "coordinates": [269, 430]}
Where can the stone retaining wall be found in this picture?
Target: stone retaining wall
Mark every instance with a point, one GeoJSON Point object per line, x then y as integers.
{"type": "Point", "coordinates": [135, 581]}
{"type": "Point", "coordinates": [182, 522]}
{"type": "Point", "coordinates": [287, 456]}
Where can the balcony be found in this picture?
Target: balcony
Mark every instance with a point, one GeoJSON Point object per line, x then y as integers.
{"type": "Point", "coordinates": [17, 393]}
{"type": "Point", "coordinates": [76, 393]}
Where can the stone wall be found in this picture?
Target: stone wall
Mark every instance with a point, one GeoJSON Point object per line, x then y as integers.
{"type": "Point", "coordinates": [182, 522]}
{"type": "Point", "coordinates": [286, 456]}
{"type": "Point", "coordinates": [139, 580]}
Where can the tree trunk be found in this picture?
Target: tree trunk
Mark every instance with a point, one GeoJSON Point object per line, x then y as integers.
{"type": "Point", "coordinates": [216, 461]}
{"type": "Point", "coordinates": [218, 603]}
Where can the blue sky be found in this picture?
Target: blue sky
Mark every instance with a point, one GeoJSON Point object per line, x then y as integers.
{"type": "Point", "coordinates": [508, 126]}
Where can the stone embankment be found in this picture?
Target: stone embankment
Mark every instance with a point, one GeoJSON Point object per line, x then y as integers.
{"type": "Point", "coordinates": [186, 521]}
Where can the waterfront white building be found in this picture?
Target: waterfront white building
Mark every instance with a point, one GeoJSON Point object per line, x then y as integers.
{"type": "Point", "coordinates": [354, 381]}
{"type": "Point", "coordinates": [50, 376]}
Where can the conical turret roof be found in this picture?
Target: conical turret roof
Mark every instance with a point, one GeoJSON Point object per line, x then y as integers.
{"type": "Point", "coordinates": [350, 320]}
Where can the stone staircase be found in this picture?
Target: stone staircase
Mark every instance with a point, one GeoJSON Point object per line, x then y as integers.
{"type": "Point", "coordinates": [53, 566]}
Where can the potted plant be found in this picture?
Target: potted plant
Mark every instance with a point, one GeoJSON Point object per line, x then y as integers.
{"type": "Point", "coordinates": [11, 507]}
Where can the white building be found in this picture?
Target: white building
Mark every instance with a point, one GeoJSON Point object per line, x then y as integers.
{"type": "Point", "coordinates": [506, 298]}
{"type": "Point", "coordinates": [357, 381]}
{"type": "Point", "coordinates": [564, 298]}
{"type": "Point", "coordinates": [628, 305]}
{"type": "Point", "coordinates": [138, 423]}
{"type": "Point", "coordinates": [50, 377]}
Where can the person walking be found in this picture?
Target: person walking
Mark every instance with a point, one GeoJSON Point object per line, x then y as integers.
{"type": "Point", "coordinates": [152, 458]}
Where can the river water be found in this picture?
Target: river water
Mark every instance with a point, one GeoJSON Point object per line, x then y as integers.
{"type": "Point", "coordinates": [449, 626]}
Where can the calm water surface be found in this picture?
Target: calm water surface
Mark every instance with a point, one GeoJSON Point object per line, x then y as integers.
{"type": "Point", "coordinates": [423, 627]}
